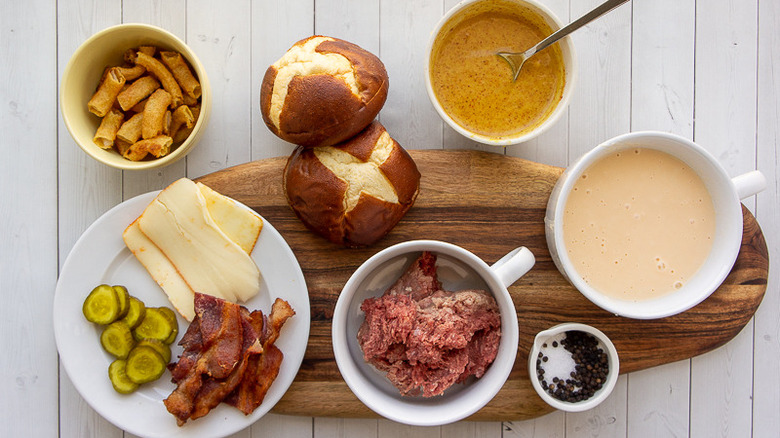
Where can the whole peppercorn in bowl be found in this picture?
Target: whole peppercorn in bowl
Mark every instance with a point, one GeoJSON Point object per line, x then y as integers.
{"type": "Point", "coordinates": [573, 367]}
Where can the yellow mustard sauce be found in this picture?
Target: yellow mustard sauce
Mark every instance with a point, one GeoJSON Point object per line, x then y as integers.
{"type": "Point", "coordinates": [474, 86]}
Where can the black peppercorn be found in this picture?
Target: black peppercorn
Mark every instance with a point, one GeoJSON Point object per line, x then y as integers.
{"type": "Point", "coordinates": [590, 371]}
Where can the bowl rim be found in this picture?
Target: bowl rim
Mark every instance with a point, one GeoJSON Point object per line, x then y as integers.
{"type": "Point", "coordinates": [364, 390]}
{"type": "Point", "coordinates": [200, 124]}
{"type": "Point", "coordinates": [629, 309]}
{"type": "Point", "coordinates": [601, 394]}
{"type": "Point", "coordinates": [571, 75]}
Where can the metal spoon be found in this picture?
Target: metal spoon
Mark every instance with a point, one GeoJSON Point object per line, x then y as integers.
{"type": "Point", "coordinates": [516, 60]}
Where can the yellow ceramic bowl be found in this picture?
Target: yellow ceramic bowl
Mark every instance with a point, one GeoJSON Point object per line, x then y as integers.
{"type": "Point", "coordinates": [83, 73]}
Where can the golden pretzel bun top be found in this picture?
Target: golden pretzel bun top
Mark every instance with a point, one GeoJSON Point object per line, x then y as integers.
{"type": "Point", "coordinates": [322, 91]}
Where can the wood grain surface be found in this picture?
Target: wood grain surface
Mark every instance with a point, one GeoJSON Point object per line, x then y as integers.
{"type": "Point", "coordinates": [488, 204]}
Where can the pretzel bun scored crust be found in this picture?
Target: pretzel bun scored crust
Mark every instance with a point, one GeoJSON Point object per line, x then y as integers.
{"type": "Point", "coordinates": [355, 192]}
{"type": "Point", "coordinates": [322, 91]}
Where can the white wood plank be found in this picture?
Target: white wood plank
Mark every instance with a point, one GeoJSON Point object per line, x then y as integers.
{"type": "Point", "coordinates": [601, 105]}
{"type": "Point", "coordinates": [552, 146]}
{"type": "Point", "coordinates": [601, 109]}
{"type": "Point", "coordinates": [472, 429]}
{"type": "Point", "coordinates": [605, 420]}
{"type": "Point", "coordinates": [663, 38]}
{"type": "Point", "coordinates": [276, 26]}
{"type": "Point", "coordinates": [725, 108]}
{"type": "Point", "coordinates": [28, 261]}
{"type": "Point", "coordinates": [274, 425]}
{"type": "Point", "coordinates": [346, 427]}
{"type": "Point", "coordinates": [662, 99]}
{"type": "Point", "coordinates": [170, 15]}
{"type": "Point", "coordinates": [358, 23]}
{"type": "Point", "coordinates": [766, 343]}
{"type": "Point", "coordinates": [219, 32]}
{"type": "Point", "coordinates": [86, 189]}
{"type": "Point", "coordinates": [408, 116]}
{"type": "Point", "coordinates": [223, 46]}
{"type": "Point", "coordinates": [658, 400]}
{"type": "Point", "coordinates": [391, 429]}
{"type": "Point", "coordinates": [552, 425]}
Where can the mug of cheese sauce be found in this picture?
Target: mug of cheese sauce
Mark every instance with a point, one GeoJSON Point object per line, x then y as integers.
{"type": "Point", "coordinates": [647, 224]}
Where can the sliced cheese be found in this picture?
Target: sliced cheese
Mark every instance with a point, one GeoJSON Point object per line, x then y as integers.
{"type": "Point", "coordinates": [240, 224]}
{"type": "Point", "coordinates": [179, 224]}
{"type": "Point", "coordinates": [161, 269]}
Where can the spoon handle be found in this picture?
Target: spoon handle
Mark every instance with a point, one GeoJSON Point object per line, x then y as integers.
{"type": "Point", "coordinates": [574, 25]}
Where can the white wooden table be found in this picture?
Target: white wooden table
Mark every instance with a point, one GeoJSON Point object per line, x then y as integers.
{"type": "Point", "coordinates": [707, 70]}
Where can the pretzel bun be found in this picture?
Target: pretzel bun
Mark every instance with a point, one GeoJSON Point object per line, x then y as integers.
{"type": "Point", "coordinates": [355, 192]}
{"type": "Point", "coordinates": [322, 91]}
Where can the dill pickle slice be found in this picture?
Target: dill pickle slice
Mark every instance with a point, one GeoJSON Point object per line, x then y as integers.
{"type": "Point", "coordinates": [160, 347]}
{"type": "Point", "coordinates": [101, 305]}
{"type": "Point", "coordinates": [174, 333]}
{"type": "Point", "coordinates": [117, 340]}
{"type": "Point", "coordinates": [144, 364]}
{"type": "Point", "coordinates": [136, 311]}
{"type": "Point", "coordinates": [174, 323]}
{"type": "Point", "coordinates": [170, 314]}
{"type": "Point", "coordinates": [118, 376]}
{"type": "Point", "coordinates": [124, 298]}
{"type": "Point", "coordinates": [155, 325]}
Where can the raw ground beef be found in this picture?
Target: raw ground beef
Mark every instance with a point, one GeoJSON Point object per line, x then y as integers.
{"type": "Point", "coordinates": [426, 339]}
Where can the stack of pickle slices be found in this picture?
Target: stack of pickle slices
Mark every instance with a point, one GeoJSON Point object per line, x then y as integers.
{"type": "Point", "coordinates": [139, 337]}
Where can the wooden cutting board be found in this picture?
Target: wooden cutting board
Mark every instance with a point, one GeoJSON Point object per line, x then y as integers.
{"type": "Point", "coordinates": [489, 204]}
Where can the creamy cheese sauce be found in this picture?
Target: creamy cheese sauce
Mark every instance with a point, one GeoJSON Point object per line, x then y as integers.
{"type": "Point", "coordinates": [638, 224]}
{"type": "Point", "coordinates": [474, 86]}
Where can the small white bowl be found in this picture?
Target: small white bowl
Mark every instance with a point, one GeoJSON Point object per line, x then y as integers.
{"type": "Point", "coordinates": [82, 75]}
{"type": "Point", "coordinates": [599, 396]}
{"type": "Point", "coordinates": [458, 269]}
{"type": "Point", "coordinates": [569, 60]}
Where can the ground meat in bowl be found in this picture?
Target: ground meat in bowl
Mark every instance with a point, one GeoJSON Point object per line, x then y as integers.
{"type": "Point", "coordinates": [425, 338]}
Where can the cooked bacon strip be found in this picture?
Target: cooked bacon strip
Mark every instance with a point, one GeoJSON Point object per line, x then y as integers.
{"type": "Point", "coordinates": [280, 312]}
{"type": "Point", "coordinates": [262, 370]}
{"type": "Point", "coordinates": [229, 355]}
{"type": "Point", "coordinates": [258, 377]}
{"type": "Point", "coordinates": [221, 329]}
{"type": "Point", "coordinates": [215, 390]}
{"type": "Point", "coordinates": [221, 335]}
{"type": "Point", "coordinates": [181, 401]}
{"type": "Point", "coordinates": [193, 344]}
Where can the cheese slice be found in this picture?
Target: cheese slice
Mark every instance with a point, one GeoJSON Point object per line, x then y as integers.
{"type": "Point", "coordinates": [161, 269]}
{"type": "Point", "coordinates": [240, 224]}
{"type": "Point", "coordinates": [179, 224]}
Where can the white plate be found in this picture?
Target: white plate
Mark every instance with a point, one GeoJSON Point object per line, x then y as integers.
{"type": "Point", "coordinates": [100, 256]}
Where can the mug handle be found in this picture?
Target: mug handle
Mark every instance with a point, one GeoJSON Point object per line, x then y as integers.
{"type": "Point", "coordinates": [748, 184]}
{"type": "Point", "coordinates": [513, 265]}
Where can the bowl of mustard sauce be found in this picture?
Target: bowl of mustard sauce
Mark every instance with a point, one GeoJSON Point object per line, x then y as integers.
{"type": "Point", "coordinates": [472, 88]}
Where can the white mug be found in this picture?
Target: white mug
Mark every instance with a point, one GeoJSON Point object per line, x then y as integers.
{"type": "Point", "coordinates": [725, 192]}
{"type": "Point", "coordinates": [457, 269]}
